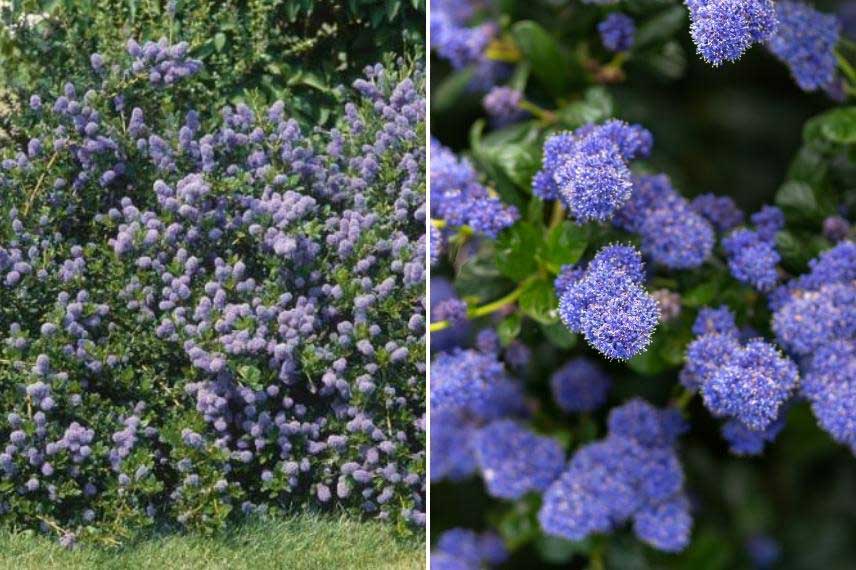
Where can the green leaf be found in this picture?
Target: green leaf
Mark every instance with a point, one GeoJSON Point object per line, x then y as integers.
{"type": "Point", "coordinates": [251, 376]}
{"type": "Point", "coordinates": [595, 107]}
{"type": "Point", "coordinates": [509, 328]}
{"type": "Point", "coordinates": [663, 26]}
{"type": "Point", "coordinates": [450, 90]}
{"type": "Point", "coordinates": [565, 245]}
{"type": "Point", "coordinates": [539, 301]}
{"type": "Point", "coordinates": [516, 250]}
{"type": "Point", "coordinates": [558, 334]}
{"type": "Point", "coordinates": [492, 163]}
{"type": "Point", "coordinates": [836, 126]}
{"type": "Point", "coordinates": [542, 52]}
{"type": "Point", "coordinates": [670, 61]}
{"type": "Point", "coordinates": [648, 363]}
{"type": "Point", "coordinates": [701, 295]}
{"type": "Point", "coordinates": [797, 200]}
{"type": "Point", "coordinates": [219, 41]}
{"type": "Point", "coordinates": [479, 277]}
{"type": "Point", "coordinates": [555, 550]}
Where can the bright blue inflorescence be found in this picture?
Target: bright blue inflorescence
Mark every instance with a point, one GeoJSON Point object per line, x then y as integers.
{"type": "Point", "coordinates": [805, 41]}
{"type": "Point", "coordinates": [453, 310]}
{"type": "Point", "coordinates": [464, 549]}
{"type": "Point", "coordinates": [462, 376]}
{"type": "Point", "coordinates": [580, 385]}
{"type": "Point", "coordinates": [617, 32]}
{"type": "Point", "coordinates": [768, 221]}
{"type": "Point", "coordinates": [745, 441]}
{"type": "Point", "coordinates": [436, 245]}
{"type": "Point", "coordinates": [514, 461]}
{"type": "Point", "coordinates": [458, 198]}
{"type": "Point", "coordinates": [588, 169]}
{"type": "Point", "coordinates": [721, 211]}
{"type": "Point", "coordinates": [634, 473]}
{"type": "Point", "coordinates": [503, 102]}
{"type": "Point", "coordinates": [452, 38]}
{"type": "Point", "coordinates": [752, 259]}
{"type": "Point", "coordinates": [719, 320]}
{"type": "Point", "coordinates": [723, 30]}
{"type": "Point", "coordinates": [672, 233]}
{"type": "Point", "coordinates": [830, 385]}
{"type": "Point", "coordinates": [609, 306]}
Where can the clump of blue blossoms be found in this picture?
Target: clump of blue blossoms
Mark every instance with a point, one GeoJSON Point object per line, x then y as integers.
{"type": "Point", "coordinates": [204, 315]}
{"type": "Point", "coordinates": [464, 549]}
{"type": "Point", "coordinates": [588, 169]}
{"type": "Point", "coordinates": [608, 305]}
{"type": "Point", "coordinates": [580, 385]}
{"type": "Point", "coordinates": [617, 32]}
{"type": "Point", "coordinates": [458, 198]}
{"type": "Point", "coordinates": [632, 474]}
{"type": "Point", "coordinates": [724, 29]}
{"type": "Point", "coordinates": [805, 40]}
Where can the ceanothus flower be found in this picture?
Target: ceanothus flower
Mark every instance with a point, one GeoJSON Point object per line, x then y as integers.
{"type": "Point", "coordinates": [617, 32]}
{"type": "Point", "coordinates": [458, 198]}
{"type": "Point", "coordinates": [829, 383]}
{"type": "Point", "coordinates": [743, 440]}
{"type": "Point", "coordinates": [514, 461]}
{"type": "Point", "coordinates": [768, 221]}
{"type": "Point", "coordinates": [721, 211]}
{"type": "Point", "coordinates": [805, 41]}
{"type": "Point", "coordinates": [609, 306]}
{"type": "Point", "coordinates": [633, 473]}
{"type": "Point", "coordinates": [464, 549]}
{"type": "Point", "coordinates": [462, 376]}
{"type": "Point", "coordinates": [723, 30]}
{"type": "Point", "coordinates": [752, 259]}
{"type": "Point", "coordinates": [589, 168]}
{"type": "Point", "coordinates": [672, 233]}
{"type": "Point", "coordinates": [719, 320]}
{"type": "Point", "coordinates": [502, 102]}
{"type": "Point", "coordinates": [752, 385]}
{"type": "Point", "coordinates": [580, 385]}
{"type": "Point", "coordinates": [836, 228]}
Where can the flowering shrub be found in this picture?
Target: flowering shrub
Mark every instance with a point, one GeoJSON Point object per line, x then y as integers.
{"type": "Point", "coordinates": [210, 314]}
{"type": "Point", "coordinates": [630, 370]}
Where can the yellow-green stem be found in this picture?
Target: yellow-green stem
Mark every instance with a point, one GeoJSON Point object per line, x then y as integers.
{"type": "Point", "coordinates": [493, 306]}
{"type": "Point", "coordinates": [538, 112]}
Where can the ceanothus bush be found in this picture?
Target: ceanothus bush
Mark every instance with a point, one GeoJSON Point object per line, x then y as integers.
{"type": "Point", "coordinates": [642, 355]}
{"type": "Point", "coordinates": [205, 314]}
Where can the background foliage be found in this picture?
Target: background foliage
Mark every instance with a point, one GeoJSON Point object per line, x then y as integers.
{"type": "Point", "coordinates": [742, 130]}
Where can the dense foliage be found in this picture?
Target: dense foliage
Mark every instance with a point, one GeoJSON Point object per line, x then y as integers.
{"type": "Point", "coordinates": [629, 371]}
{"type": "Point", "coordinates": [210, 313]}
{"type": "Point", "coordinates": [297, 51]}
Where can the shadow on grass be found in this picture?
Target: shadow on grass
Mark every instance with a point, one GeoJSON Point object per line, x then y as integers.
{"type": "Point", "coordinates": [299, 541]}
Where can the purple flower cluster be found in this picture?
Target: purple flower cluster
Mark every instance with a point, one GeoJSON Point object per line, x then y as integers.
{"type": "Point", "coordinates": [503, 103]}
{"type": "Point", "coordinates": [752, 259]}
{"type": "Point", "coordinates": [238, 325]}
{"type": "Point", "coordinates": [673, 234]}
{"type": "Point", "coordinates": [815, 320]}
{"type": "Point", "coordinates": [634, 473]}
{"type": "Point", "coordinates": [723, 30]}
{"type": "Point", "coordinates": [514, 461]}
{"type": "Point", "coordinates": [747, 383]}
{"type": "Point", "coordinates": [721, 211]}
{"type": "Point", "coordinates": [459, 199]}
{"type": "Point", "coordinates": [580, 385]}
{"type": "Point", "coordinates": [609, 306]}
{"type": "Point", "coordinates": [617, 32]}
{"type": "Point", "coordinates": [805, 41]}
{"type": "Point", "coordinates": [463, 549]}
{"type": "Point", "coordinates": [588, 169]}
{"type": "Point", "coordinates": [164, 64]}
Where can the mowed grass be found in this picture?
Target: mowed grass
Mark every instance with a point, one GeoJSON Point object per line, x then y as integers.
{"type": "Point", "coordinates": [298, 542]}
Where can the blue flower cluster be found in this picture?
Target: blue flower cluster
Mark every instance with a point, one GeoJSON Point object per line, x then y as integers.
{"type": "Point", "coordinates": [815, 320]}
{"type": "Point", "coordinates": [617, 32]}
{"type": "Point", "coordinates": [588, 169]}
{"type": "Point", "coordinates": [608, 304]}
{"type": "Point", "coordinates": [805, 41]}
{"type": "Point", "coordinates": [723, 30]}
{"type": "Point", "coordinates": [463, 45]}
{"type": "Point", "coordinates": [514, 461]}
{"type": "Point", "coordinates": [455, 422]}
{"type": "Point", "coordinates": [580, 385]}
{"type": "Point", "coordinates": [634, 473]}
{"type": "Point", "coordinates": [463, 549]}
{"type": "Point", "coordinates": [747, 383]}
{"type": "Point", "coordinates": [204, 315]}
{"type": "Point", "coordinates": [721, 211]}
{"type": "Point", "coordinates": [164, 64]}
{"type": "Point", "coordinates": [459, 199]}
{"type": "Point", "coordinates": [673, 234]}
{"type": "Point", "coordinates": [752, 255]}
{"type": "Point", "coordinates": [503, 103]}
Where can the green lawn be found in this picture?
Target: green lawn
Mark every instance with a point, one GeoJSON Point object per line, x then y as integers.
{"type": "Point", "coordinates": [299, 542]}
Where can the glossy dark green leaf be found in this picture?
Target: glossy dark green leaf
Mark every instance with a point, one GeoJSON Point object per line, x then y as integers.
{"type": "Point", "coordinates": [836, 126]}
{"type": "Point", "coordinates": [595, 106]}
{"type": "Point", "coordinates": [509, 328]}
{"type": "Point", "coordinates": [516, 250]}
{"type": "Point", "coordinates": [559, 335]}
{"type": "Point", "coordinates": [543, 53]}
{"type": "Point", "coordinates": [661, 27]}
{"type": "Point", "coordinates": [565, 245]}
{"type": "Point", "coordinates": [539, 301]}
